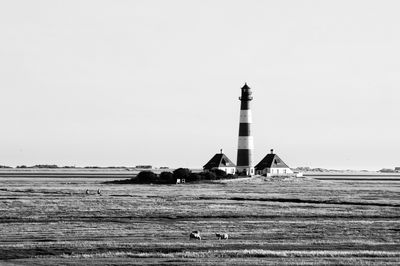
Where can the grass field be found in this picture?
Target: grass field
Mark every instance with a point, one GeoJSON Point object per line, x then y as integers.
{"type": "Point", "coordinates": [51, 221]}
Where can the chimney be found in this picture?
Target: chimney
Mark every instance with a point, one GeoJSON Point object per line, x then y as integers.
{"type": "Point", "coordinates": [272, 151]}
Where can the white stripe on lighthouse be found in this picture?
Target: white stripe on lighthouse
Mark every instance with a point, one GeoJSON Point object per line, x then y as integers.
{"type": "Point", "coordinates": [245, 143]}
{"type": "Point", "coordinates": [245, 116]}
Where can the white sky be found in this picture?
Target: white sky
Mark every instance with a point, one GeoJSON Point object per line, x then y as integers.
{"type": "Point", "coordinates": [157, 82]}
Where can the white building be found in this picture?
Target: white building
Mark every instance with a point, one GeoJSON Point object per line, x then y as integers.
{"type": "Point", "coordinates": [220, 161]}
{"type": "Point", "coordinates": [272, 165]}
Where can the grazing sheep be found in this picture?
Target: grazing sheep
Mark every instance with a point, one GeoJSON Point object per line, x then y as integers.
{"type": "Point", "coordinates": [222, 236]}
{"type": "Point", "coordinates": [195, 235]}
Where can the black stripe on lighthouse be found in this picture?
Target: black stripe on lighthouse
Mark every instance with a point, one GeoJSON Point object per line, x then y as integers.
{"type": "Point", "coordinates": [243, 158]}
{"type": "Point", "coordinates": [244, 129]}
{"type": "Point", "coordinates": [245, 104]}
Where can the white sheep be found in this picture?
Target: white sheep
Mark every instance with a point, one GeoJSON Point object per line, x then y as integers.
{"type": "Point", "coordinates": [195, 235]}
{"type": "Point", "coordinates": [222, 236]}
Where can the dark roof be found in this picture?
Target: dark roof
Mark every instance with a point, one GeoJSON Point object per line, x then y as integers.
{"type": "Point", "coordinates": [271, 161]}
{"type": "Point", "coordinates": [219, 160]}
{"type": "Point", "coordinates": [245, 86]}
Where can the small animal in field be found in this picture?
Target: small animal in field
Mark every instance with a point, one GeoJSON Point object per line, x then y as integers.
{"type": "Point", "coordinates": [195, 235]}
{"type": "Point", "coordinates": [222, 236]}
{"type": "Point", "coordinates": [87, 192]}
{"type": "Point", "coordinates": [99, 192]}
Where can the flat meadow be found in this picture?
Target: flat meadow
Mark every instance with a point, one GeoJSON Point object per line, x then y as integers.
{"type": "Point", "coordinates": [52, 221]}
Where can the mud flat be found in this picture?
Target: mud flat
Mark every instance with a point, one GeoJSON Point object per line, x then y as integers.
{"type": "Point", "coordinates": [52, 221]}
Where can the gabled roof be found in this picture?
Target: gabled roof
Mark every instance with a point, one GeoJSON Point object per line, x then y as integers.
{"type": "Point", "coordinates": [245, 86]}
{"type": "Point", "coordinates": [271, 161]}
{"type": "Point", "coordinates": [219, 160]}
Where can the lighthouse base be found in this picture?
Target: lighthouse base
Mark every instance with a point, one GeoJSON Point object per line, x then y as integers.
{"type": "Point", "coordinates": [245, 170]}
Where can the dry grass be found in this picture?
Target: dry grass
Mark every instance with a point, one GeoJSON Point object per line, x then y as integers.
{"type": "Point", "coordinates": [239, 254]}
{"type": "Point", "coordinates": [52, 221]}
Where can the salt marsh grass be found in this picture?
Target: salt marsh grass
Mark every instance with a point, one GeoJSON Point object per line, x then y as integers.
{"type": "Point", "coordinates": [52, 221]}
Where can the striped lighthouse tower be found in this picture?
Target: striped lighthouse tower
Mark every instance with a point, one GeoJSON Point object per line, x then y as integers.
{"type": "Point", "coordinates": [244, 164]}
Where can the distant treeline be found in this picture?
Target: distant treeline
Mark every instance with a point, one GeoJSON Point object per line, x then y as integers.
{"type": "Point", "coordinates": [149, 177]}
{"type": "Point", "coordinates": [322, 170]}
{"type": "Point", "coordinates": [54, 166]}
{"type": "Point", "coordinates": [388, 170]}
{"type": "Point", "coordinates": [309, 169]}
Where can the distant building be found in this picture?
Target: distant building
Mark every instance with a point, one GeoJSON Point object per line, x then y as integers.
{"type": "Point", "coordinates": [220, 161]}
{"type": "Point", "coordinates": [144, 166]}
{"type": "Point", "coordinates": [180, 180]}
{"type": "Point", "coordinates": [387, 170]}
{"type": "Point", "coordinates": [272, 165]}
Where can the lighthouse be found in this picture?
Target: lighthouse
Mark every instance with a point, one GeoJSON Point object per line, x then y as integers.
{"type": "Point", "coordinates": [244, 164]}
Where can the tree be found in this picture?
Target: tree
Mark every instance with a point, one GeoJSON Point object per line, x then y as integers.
{"type": "Point", "coordinates": [146, 177]}
{"type": "Point", "coordinates": [167, 178]}
{"type": "Point", "coordinates": [181, 173]}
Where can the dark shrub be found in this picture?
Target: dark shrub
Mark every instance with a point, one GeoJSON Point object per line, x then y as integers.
{"type": "Point", "coordinates": [209, 176]}
{"type": "Point", "coordinates": [181, 173]}
{"type": "Point", "coordinates": [194, 177]}
{"type": "Point", "coordinates": [219, 173]}
{"type": "Point", "coordinates": [146, 177]}
{"type": "Point", "coordinates": [167, 178]}
{"type": "Point", "coordinates": [230, 176]}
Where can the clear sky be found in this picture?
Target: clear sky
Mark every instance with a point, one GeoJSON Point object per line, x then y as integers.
{"type": "Point", "coordinates": [157, 82]}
